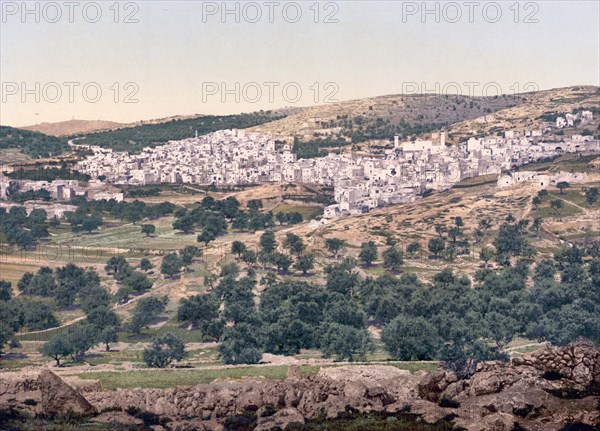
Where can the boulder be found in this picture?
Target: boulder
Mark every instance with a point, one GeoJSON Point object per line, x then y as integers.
{"type": "Point", "coordinates": [432, 385]}
{"type": "Point", "coordinates": [60, 398]}
{"type": "Point", "coordinates": [118, 418]}
{"type": "Point", "coordinates": [281, 419]}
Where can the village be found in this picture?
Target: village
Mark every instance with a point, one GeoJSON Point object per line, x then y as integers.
{"type": "Point", "coordinates": [401, 173]}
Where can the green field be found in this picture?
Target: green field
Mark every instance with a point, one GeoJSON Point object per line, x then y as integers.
{"type": "Point", "coordinates": [308, 212]}
{"type": "Point", "coordinates": [183, 377]}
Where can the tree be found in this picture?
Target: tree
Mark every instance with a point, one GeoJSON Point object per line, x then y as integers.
{"type": "Point", "coordinates": [148, 229]}
{"type": "Point", "coordinates": [81, 338]}
{"type": "Point", "coordinates": [334, 245]}
{"type": "Point", "coordinates": [393, 259]}
{"type": "Point", "coordinates": [171, 265]}
{"type": "Point", "coordinates": [294, 243]}
{"type": "Point", "coordinates": [295, 218]}
{"type": "Point", "coordinates": [305, 263]}
{"type": "Point", "coordinates": [188, 254]}
{"type": "Point", "coordinates": [241, 344]}
{"type": "Point", "coordinates": [440, 229]}
{"type": "Point", "coordinates": [591, 195]}
{"type": "Point", "coordinates": [5, 290]}
{"type": "Point", "coordinates": [268, 244]}
{"type": "Point", "coordinates": [238, 304]}
{"type": "Point", "coordinates": [184, 224]}
{"type": "Point", "coordinates": [282, 261]}
{"type": "Point", "coordinates": [556, 204]}
{"type": "Point", "coordinates": [93, 297]}
{"type": "Point", "coordinates": [536, 225]}
{"type": "Point", "coordinates": [202, 311]}
{"type": "Point", "coordinates": [281, 218]}
{"type": "Point", "coordinates": [458, 222]}
{"type": "Point", "coordinates": [108, 335]}
{"type": "Point", "coordinates": [238, 248]}
{"type": "Point", "coordinates": [542, 193]}
{"type": "Point", "coordinates": [500, 328]}
{"type": "Point", "coordinates": [536, 201]}
{"type": "Point", "coordinates": [164, 350]}
{"type": "Point", "coordinates": [255, 204]}
{"type": "Point", "coordinates": [562, 185]}
{"type": "Point", "coordinates": [206, 236]}
{"type": "Point", "coordinates": [485, 224]}
{"type": "Point", "coordinates": [146, 310]}
{"type": "Point", "coordinates": [345, 341]}
{"type": "Point", "coordinates": [57, 348]}
{"type": "Point", "coordinates": [409, 338]}
{"type": "Point", "coordinates": [145, 264]}
{"type": "Point", "coordinates": [249, 257]}
{"type": "Point", "coordinates": [368, 253]}
{"type": "Point", "coordinates": [486, 254]}
{"type": "Point", "coordinates": [436, 246]}
{"type": "Point", "coordinates": [413, 248]}
{"type": "Point", "coordinates": [115, 265]}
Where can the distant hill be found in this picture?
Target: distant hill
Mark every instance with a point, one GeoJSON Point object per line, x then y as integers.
{"type": "Point", "coordinates": [371, 119]}
{"type": "Point", "coordinates": [70, 127]}
{"type": "Point", "coordinates": [34, 144]}
{"type": "Point", "coordinates": [150, 134]}
{"type": "Point", "coordinates": [537, 108]}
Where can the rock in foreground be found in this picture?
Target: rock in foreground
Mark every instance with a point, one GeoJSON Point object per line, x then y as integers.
{"type": "Point", "coordinates": [550, 390]}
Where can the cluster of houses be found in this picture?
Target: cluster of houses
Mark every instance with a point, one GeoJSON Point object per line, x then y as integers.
{"type": "Point", "coordinates": [570, 120]}
{"type": "Point", "coordinates": [540, 179]}
{"type": "Point", "coordinates": [61, 190]}
{"type": "Point", "coordinates": [53, 209]}
{"type": "Point", "coordinates": [401, 174]}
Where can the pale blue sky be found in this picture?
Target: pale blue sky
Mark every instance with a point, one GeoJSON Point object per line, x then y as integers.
{"type": "Point", "coordinates": [171, 52]}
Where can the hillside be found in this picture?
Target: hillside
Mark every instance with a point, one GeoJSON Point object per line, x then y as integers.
{"type": "Point", "coordinates": [33, 144]}
{"type": "Point", "coordinates": [70, 127]}
{"type": "Point", "coordinates": [380, 118]}
{"type": "Point", "coordinates": [133, 139]}
{"type": "Point", "coordinates": [536, 109]}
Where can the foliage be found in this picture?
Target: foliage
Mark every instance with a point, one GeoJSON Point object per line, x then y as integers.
{"type": "Point", "coordinates": [146, 310]}
{"type": "Point", "coordinates": [368, 253]}
{"type": "Point", "coordinates": [134, 139]}
{"type": "Point", "coordinates": [164, 350]}
{"type": "Point", "coordinates": [34, 144]}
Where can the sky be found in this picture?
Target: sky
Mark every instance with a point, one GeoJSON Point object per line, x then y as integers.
{"type": "Point", "coordinates": [138, 60]}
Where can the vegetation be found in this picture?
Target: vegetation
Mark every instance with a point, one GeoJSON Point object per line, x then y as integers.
{"type": "Point", "coordinates": [134, 139]}
{"type": "Point", "coordinates": [34, 144]}
{"type": "Point", "coordinates": [21, 229]}
{"type": "Point", "coordinates": [164, 350]}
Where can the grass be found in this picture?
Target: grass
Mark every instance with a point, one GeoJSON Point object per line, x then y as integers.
{"type": "Point", "coordinates": [181, 377]}
{"type": "Point", "coordinates": [40, 336]}
{"type": "Point", "coordinates": [14, 271]}
{"type": "Point", "coordinates": [169, 378]}
{"type": "Point", "coordinates": [308, 211]}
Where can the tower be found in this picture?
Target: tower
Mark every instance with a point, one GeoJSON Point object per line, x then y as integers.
{"type": "Point", "coordinates": [443, 138]}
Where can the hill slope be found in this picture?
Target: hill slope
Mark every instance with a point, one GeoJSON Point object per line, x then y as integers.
{"type": "Point", "coordinates": [70, 127]}
{"type": "Point", "coordinates": [33, 144]}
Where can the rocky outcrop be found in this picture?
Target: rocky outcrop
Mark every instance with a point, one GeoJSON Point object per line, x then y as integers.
{"type": "Point", "coordinates": [59, 398]}
{"type": "Point", "coordinates": [539, 392]}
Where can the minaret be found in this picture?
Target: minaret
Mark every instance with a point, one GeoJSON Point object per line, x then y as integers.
{"type": "Point", "coordinates": [196, 134]}
{"type": "Point", "coordinates": [443, 138]}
